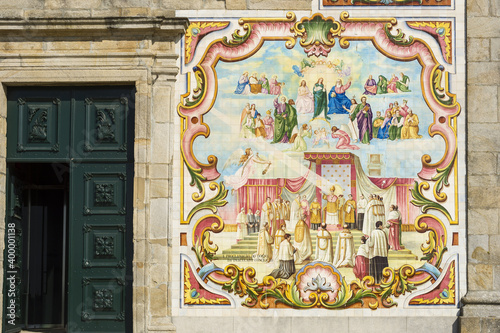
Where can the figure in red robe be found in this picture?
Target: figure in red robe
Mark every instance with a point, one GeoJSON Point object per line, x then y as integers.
{"type": "Point", "coordinates": [344, 140]}
{"type": "Point", "coordinates": [394, 224]}
{"type": "Point", "coordinates": [362, 263]}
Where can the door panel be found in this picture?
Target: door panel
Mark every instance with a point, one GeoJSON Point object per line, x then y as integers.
{"type": "Point", "coordinates": [97, 253]}
{"type": "Point", "coordinates": [38, 125]}
{"type": "Point", "coordinates": [104, 116]}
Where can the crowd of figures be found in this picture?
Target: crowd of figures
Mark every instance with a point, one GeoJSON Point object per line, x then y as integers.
{"type": "Point", "coordinates": [258, 85]}
{"type": "Point", "coordinates": [280, 124]}
{"type": "Point", "coordinates": [278, 220]}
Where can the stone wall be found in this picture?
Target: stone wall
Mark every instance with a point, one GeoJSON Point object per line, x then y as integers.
{"type": "Point", "coordinates": [481, 311]}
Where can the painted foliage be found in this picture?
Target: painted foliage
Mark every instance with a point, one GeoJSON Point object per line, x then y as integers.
{"type": "Point", "coordinates": [318, 165]}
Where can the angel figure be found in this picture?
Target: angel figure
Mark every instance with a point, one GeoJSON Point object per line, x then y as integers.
{"type": "Point", "coordinates": [246, 162]}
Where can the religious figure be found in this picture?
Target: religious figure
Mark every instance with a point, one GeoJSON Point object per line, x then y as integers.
{"type": "Point", "coordinates": [305, 99]}
{"type": "Point", "coordinates": [396, 127]}
{"type": "Point", "coordinates": [241, 221]}
{"type": "Point", "coordinates": [250, 222]}
{"type": "Point", "coordinates": [295, 213]}
{"type": "Point", "coordinates": [337, 98]}
{"type": "Point", "coordinates": [331, 215]}
{"type": "Point", "coordinates": [285, 120]}
{"type": "Point", "coordinates": [370, 86]}
{"type": "Point", "coordinates": [341, 202]}
{"type": "Point", "coordinates": [344, 252]}
{"type": "Point", "coordinates": [392, 86]}
{"type": "Point", "coordinates": [362, 261]}
{"type": "Point", "coordinates": [275, 86]}
{"type": "Point", "coordinates": [285, 256]}
{"type": "Point", "coordinates": [377, 123]}
{"type": "Point", "coordinates": [353, 124]}
{"type": "Point", "coordinates": [305, 214]}
{"type": "Point", "coordinates": [255, 86]}
{"type": "Point", "coordinates": [403, 84]}
{"type": "Point", "coordinates": [269, 125]}
{"type": "Point", "coordinates": [320, 99]}
{"type": "Point", "coordinates": [375, 211]}
{"type": "Point", "coordinates": [381, 85]}
{"type": "Point", "coordinates": [247, 163]}
{"type": "Point", "coordinates": [383, 132]}
{"type": "Point", "coordinates": [302, 242]}
{"type": "Point", "coordinates": [278, 238]}
{"type": "Point", "coordinates": [256, 217]}
{"type": "Point", "coordinates": [299, 143]}
{"type": "Point", "coordinates": [267, 215]}
{"type": "Point", "coordinates": [344, 140]}
{"type": "Point", "coordinates": [378, 252]}
{"type": "Point", "coordinates": [247, 127]}
{"type": "Point", "coordinates": [315, 210]}
{"type": "Point", "coordinates": [361, 212]}
{"type": "Point", "coordinates": [264, 82]}
{"type": "Point", "coordinates": [320, 136]}
{"type": "Point", "coordinates": [363, 115]}
{"type": "Point", "coordinates": [410, 126]}
{"type": "Point", "coordinates": [278, 217]}
{"type": "Point", "coordinates": [260, 128]}
{"type": "Point", "coordinates": [243, 87]}
{"type": "Point", "coordinates": [350, 212]}
{"type": "Point", "coordinates": [264, 245]}
{"type": "Point", "coordinates": [244, 113]}
{"type": "Point", "coordinates": [394, 225]}
{"type": "Point", "coordinates": [324, 246]}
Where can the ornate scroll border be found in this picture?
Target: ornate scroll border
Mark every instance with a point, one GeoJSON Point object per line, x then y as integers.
{"type": "Point", "coordinates": [391, 42]}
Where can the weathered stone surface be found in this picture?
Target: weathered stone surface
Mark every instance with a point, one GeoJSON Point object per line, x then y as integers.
{"type": "Point", "coordinates": [480, 277]}
{"type": "Point", "coordinates": [483, 197]}
{"type": "Point", "coordinates": [236, 4]}
{"type": "Point", "coordinates": [496, 277]}
{"type": "Point", "coordinates": [192, 4]}
{"type": "Point", "coordinates": [159, 171]}
{"type": "Point", "coordinates": [158, 251]}
{"type": "Point", "coordinates": [482, 163]}
{"type": "Point", "coordinates": [495, 49]}
{"type": "Point", "coordinates": [158, 218]}
{"type": "Point", "coordinates": [135, 11]}
{"type": "Point", "coordinates": [477, 248]}
{"type": "Point", "coordinates": [480, 47]}
{"type": "Point", "coordinates": [483, 27]}
{"type": "Point", "coordinates": [470, 325]}
{"type": "Point", "coordinates": [478, 7]}
{"type": "Point", "coordinates": [320, 324]}
{"type": "Point", "coordinates": [495, 249]}
{"type": "Point", "coordinates": [58, 13]}
{"type": "Point", "coordinates": [483, 180]}
{"type": "Point", "coordinates": [5, 4]}
{"type": "Point", "coordinates": [482, 139]}
{"type": "Point", "coordinates": [159, 188]}
{"type": "Point", "coordinates": [162, 150]}
{"type": "Point", "coordinates": [158, 302]}
{"type": "Point", "coordinates": [483, 221]}
{"type": "Point", "coordinates": [205, 324]}
{"type": "Point", "coordinates": [490, 325]}
{"type": "Point", "coordinates": [126, 3]}
{"type": "Point", "coordinates": [280, 5]}
{"type": "Point", "coordinates": [162, 103]}
{"type": "Point", "coordinates": [486, 73]}
{"type": "Point", "coordinates": [477, 109]}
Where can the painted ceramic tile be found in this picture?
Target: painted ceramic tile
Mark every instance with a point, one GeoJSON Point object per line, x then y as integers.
{"type": "Point", "coordinates": [318, 164]}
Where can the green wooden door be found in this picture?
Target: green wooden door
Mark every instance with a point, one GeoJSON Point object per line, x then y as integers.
{"type": "Point", "coordinates": [91, 130]}
{"type": "Point", "coordinates": [97, 271]}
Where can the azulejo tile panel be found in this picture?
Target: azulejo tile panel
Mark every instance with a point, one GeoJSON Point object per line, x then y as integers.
{"type": "Point", "coordinates": [320, 164]}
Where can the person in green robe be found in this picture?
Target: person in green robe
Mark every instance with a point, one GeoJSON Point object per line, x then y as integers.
{"type": "Point", "coordinates": [281, 113]}
{"type": "Point", "coordinates": [285, 120]}
{"type": "Point", "coordinates": [265, 84]}
{"type": "Point", "coordinates": [396, 126]}
{"type": "Point", "coordinates": [402, 84]}
{"type": "Point", "coordinates": [363, 116]}
{"type": "Point", "coordinates": [319, 92]}
{"type": "Point", "coordinates": [381, 85]}
{"type": "Point", "coordinates": [377, 123]}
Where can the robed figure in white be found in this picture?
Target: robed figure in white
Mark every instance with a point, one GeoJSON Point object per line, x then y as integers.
{"type": "Point", "coordinates": [285, 257]}
{"type": "Point", "coordinates": [302, 242]}
{"type": "Point", "coordinates": [331, 215]}
{"type": "Point", "coordinates": [267, 215]}
{"type": "Point", "coordinates": [241, 221]}
{"type": "Point", "coordinates": [264, 245]}
{"type": "Point", "coordinates": [375, 211]}
{"type": "Point", "coordinates": [378, 245]}
{"type": "Point", "coordinates": [324, 246]}
{"type": "Point", "coordinates": [344, 252]}
{"type": "Point", "coordinates": [295, 212]}
{"type": "Point", "coordinates": [278, 238]}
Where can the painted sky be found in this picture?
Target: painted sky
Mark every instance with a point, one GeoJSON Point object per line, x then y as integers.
{"type": "Point", "coordinates": [399, 158]}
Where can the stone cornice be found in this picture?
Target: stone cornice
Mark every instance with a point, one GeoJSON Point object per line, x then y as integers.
{"type": "Point", "coordinates": [75, 27]}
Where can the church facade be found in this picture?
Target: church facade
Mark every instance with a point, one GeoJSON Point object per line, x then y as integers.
{"type": "Point", "coordinates": [155, 155]}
